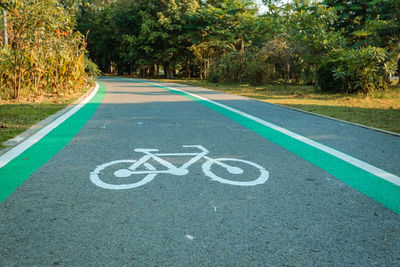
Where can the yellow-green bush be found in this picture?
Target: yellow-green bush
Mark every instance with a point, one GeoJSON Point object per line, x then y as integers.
{"type": "Point", "coordinates": [44, 55]}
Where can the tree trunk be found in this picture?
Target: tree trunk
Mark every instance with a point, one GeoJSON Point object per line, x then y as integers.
{"type": "Point", "coordinates": [169, 71]}
{"type": "Point", "coordinates": [152, 70]}
{"type": "Point", "coordinates": [172, 72]}
{"type": "Point", "coordinates": [240, 74]}
{"type": "Point", "coordinates": [187, 68]}
{"type": "Point", "coordinates": [166, 70]}
{"type": "Point", "coordinates": [201, 69]}
{"type": "Point", "coordinates": [205, 69]}
{"type": "Point", "coordinates": [287, 71]}
{"type": "Point", "coordinates": [208, 67]}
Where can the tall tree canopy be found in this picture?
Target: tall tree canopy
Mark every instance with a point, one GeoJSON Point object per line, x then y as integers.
{"type": "Point", "coordinates": [231, 39]}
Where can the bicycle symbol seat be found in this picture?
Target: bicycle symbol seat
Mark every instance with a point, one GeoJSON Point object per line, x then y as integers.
{"type": "Point", "coordinates": [143, 167]}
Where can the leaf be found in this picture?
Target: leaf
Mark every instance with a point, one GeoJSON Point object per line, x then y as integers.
{"type": "Point", "coordinates": [355, 7]}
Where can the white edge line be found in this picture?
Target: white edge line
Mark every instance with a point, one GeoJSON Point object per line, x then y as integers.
{"type": "Point", "coordinates": [323, 116]}
{"type": "Point", "coordinates": [356, 162]}
{"type": "Point", "coordinates": [16, 151]}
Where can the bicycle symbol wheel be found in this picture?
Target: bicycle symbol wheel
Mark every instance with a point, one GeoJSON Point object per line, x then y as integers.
{"type": "Point", "coordinates": [95, 176]}
{"type": "Point", "coordinates": [262, 178]}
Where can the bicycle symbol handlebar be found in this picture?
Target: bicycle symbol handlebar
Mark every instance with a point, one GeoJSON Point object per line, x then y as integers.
{"type": "Point", "coordinates": [143, 167]}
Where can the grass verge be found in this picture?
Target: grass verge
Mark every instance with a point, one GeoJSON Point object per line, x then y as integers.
{"type": "Point", "coordinates": [18, 116]}
{"type": "Point", "coordinates": [379, 109]}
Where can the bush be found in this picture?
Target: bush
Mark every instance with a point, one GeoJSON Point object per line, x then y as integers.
{"type": "Point", "coordinates": [257, 68]}
{"type": "Point", "coordinates": [252, 65]}
{"type": "Point", "coordinates": [325, 75]}
{"type": "Point", "coordinates": [44, 55]}
{"type": "Point", "coordinates": [362, 69]}
{"type": "Point", "coordinates": [226, 68]}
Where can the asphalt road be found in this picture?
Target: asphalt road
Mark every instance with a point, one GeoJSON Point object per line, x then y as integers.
{"type": "Point", "coordinates": [300, 216]}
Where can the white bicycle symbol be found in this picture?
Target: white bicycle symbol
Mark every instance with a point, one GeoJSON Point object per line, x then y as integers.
{"type": "Point", "coordinates": [150, 172]}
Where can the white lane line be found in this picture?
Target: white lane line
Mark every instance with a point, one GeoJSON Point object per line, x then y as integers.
{"type": "Point", "coordinates": [356, 162]}
{"type": "Point", "coordinates": [16, 151]}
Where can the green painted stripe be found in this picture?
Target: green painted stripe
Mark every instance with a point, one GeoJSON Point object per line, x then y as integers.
{"type": "Point", "coordinates": [380, 190]}
{"type": "Point", "coordinates": [23, 166]}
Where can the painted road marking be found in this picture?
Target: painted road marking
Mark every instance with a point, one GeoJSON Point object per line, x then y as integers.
{"type": "Point", "coordinates": [131, 167]}
{"type": "Point", "coordinates": [356, 162]}
{"type": "Point", "coordinates": [374, 182]}
{"type": "Point", "coordinates": [21, 162]}
{"type": "Point", "coordinates": [16, 151]}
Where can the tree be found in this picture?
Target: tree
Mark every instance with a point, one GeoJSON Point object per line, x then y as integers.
{"type": "Point", "coordinates": [204, 35]}
{"type": "Point", "coordinates": [239, 21]}
{"type": "Point", "coordinates": [369, 24]}
{"type": "Point", "coordinates": [305, 28]}
{"type": "Point", "coordinates": [143, 34]}
{"type": "Point", "coordinates": [365, 23]}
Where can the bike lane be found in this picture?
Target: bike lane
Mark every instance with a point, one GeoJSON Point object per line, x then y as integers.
{"type": "Point", "coordinates": [22, 161]}
{"type": "Point", "coordinates": [380, 185]}
{"type": "Point", "coordinates": [301, 215]}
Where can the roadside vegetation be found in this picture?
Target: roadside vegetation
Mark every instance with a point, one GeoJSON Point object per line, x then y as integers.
{"type": "Point", "coordinates": [16, 116]}
{"type": "Point", "coordinates": [43, 63]}
{"type": "Point", "coordinates": [43, 54]}
{"type": "Point", "coordinates": [337, 46]}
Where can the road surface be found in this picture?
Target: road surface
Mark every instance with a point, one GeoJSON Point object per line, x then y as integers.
{"type": "Point", "coordinates": [306, 190]}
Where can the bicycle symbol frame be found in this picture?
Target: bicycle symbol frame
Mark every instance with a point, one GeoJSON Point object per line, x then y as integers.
{"type": "Point", "coordinates": [151, 171]}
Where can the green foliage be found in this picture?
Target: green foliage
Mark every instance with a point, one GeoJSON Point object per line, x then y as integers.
{"type": "Point", "coordinates": [325, 74]}
{"type": "Point", "coordinates": [364, 23]}
{"type": "Point", "coordinates": [254, 64]}
{"type": "Point", "coordinates": [126, 36]}
{"type": "Point", "coordinates": [258, 67]}
{"type": "Point", "coordinates": [296, 41]}
{"type": "Point", "coordinates": [307, 35]}
{"type": "Point", "coordinates": [356, 70]}
{"type": "Point", "coordinates": [226, 68]}
{"type": "Point", "coordinates": [229, 41]}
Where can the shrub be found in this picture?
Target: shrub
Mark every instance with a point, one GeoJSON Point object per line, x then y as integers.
{"type": "Point", "coordinates": [257, 68]}
{"type": "Point", "coordinates": [44, 55]}
{"type": "Point", "coordinates": [362, 69]}
{"type": "Point", "coordinates": [325, 75]}
{"type": "Point", "coordinates": [252, 64]}
{"type": "Point", "coordinates": [226, 68]}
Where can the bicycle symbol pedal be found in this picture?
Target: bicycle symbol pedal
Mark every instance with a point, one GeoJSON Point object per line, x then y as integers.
{"type": "Point", "coordinates": [143, 167]}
